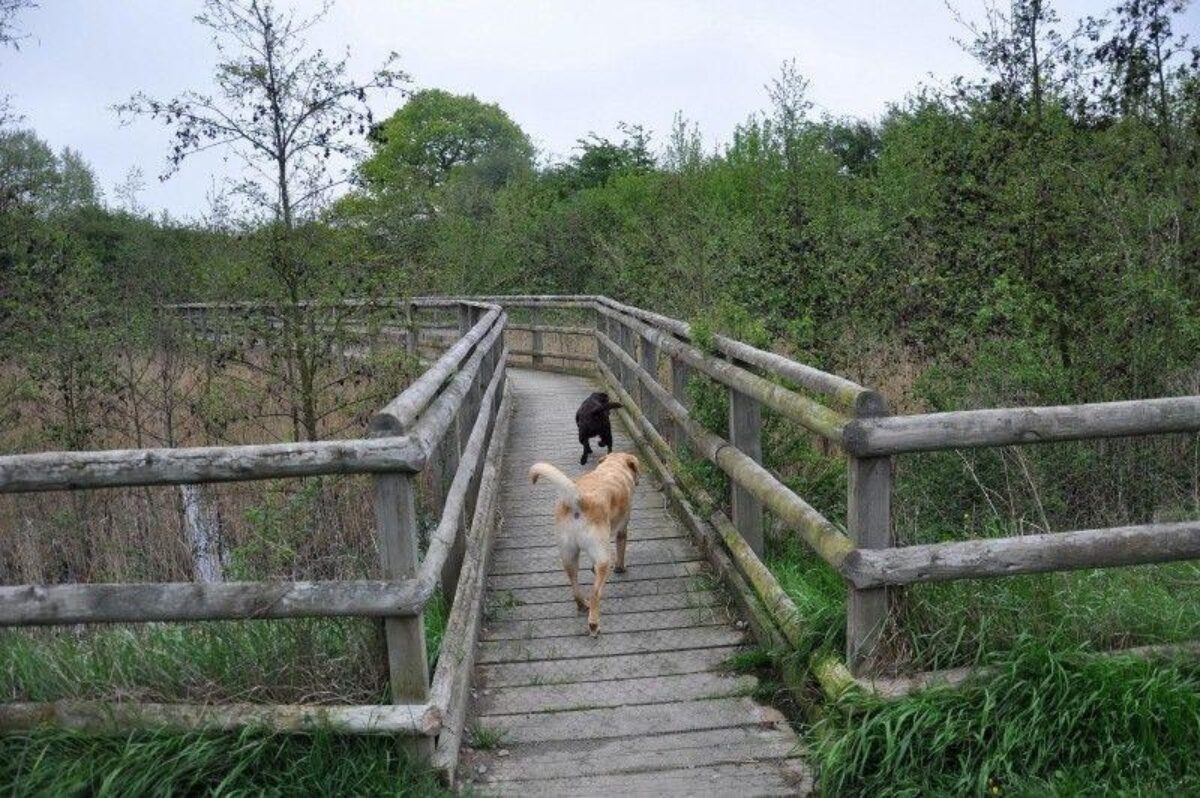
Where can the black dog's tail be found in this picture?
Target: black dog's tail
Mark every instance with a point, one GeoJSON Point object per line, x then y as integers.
{"type": "Point", "coordinates": [613, 406]}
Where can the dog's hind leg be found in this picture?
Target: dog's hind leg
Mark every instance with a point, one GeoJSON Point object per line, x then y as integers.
{"type": "Point", "coordinates": [569, 552]}
{"type": "Point", "coordinates": [622, 539]}
{"type": "Point", "coordinates": [606, 436]}
{"type": "Point", "coordinates": [601, 577]}
{"type": "Point", "coordinates": [598, 551]}
{"type": "Point", "coordinates": [587, 449]}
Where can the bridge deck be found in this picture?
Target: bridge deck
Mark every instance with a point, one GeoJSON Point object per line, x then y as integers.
{"type": "Point", "coordinates": [646, 708]}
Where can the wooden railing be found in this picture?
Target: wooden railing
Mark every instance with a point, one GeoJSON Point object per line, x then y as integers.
{"type": "Point", "coordinates": [458, 407]}
{"type": "Point", "coordinates": [439, 425]}
{"type": "Point", "coordinates": [646, 359]}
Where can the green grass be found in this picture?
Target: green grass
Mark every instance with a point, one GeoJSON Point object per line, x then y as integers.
{"type": "Point", "coordinates": [1053, 720]}
{"type": "Point", "coordinates": [54, 764]}
{"type": "Point", "coordinates": [330, 661]}
{"type": "Point", "coordinates": [485, 738]}
{"type": "Point", "coordinates": [293, 661]}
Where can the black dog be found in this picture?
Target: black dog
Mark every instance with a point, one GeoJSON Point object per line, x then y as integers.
{"type": "Point", "coordinates": [592, 420]}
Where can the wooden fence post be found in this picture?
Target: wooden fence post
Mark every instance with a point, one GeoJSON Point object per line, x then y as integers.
{"type": "Point", "coordinates": [412, 339]}
{"type": "Point", "coordinates": [538, 360]}
{"type": "Point", "coordinates": [745, 433]}
{"type": "Point", "coordinates": [869, 523]}
{"type": "Point", "coordinates": [404, 638]}
{"type": "Point", "coordinates": [680, 372]}
{"type": "Point", "coordinates": [649, 363]}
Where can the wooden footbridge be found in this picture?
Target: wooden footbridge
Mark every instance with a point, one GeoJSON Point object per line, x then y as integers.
{"type": "Point", "coordinates": [521, 700]}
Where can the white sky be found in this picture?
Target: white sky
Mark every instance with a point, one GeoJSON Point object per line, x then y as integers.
{"type": "Point", "coordinates": [560, 69]}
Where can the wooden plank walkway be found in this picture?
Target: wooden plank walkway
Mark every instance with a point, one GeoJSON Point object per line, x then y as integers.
{"type": "Point", "coordinates": [647, 708]}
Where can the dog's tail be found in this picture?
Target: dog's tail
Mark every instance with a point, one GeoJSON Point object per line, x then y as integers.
{"type": "Point", "coordinates": [566, 488]}
{"type": "Point", "coordinates": [613, 406]}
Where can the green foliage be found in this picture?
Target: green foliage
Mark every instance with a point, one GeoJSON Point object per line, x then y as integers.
{"type": "Point", "coordinates": [284, 662]}
{"type": "Point", "coordinates": [1051, 721]}
{"type": "Point", "coordinates": [250, 763]}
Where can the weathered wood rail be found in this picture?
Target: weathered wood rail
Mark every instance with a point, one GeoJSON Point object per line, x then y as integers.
{"type": "Point", "coordinates": [451, 421]}
{"type": "Point", "coordinates": [631, 347]}
{"type": "Point", "coordinates": [458, 406]}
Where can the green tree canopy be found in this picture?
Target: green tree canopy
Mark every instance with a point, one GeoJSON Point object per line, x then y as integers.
{"type": "Point", "coordinates": [435, 133]}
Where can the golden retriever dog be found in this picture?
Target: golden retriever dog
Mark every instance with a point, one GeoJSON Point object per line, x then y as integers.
{"type": "Point", "coordinates": [587, 514]}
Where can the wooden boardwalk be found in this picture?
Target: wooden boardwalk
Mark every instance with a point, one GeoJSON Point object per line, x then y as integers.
{"type": "Point", "coordinates": [647, 708]}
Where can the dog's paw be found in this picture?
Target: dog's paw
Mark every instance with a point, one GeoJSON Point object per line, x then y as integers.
{"type": "Point", "coordinates": [593, 629]}
{"type": "Point", "coordinates": [583, 460]}
{"type": "Point", "coordinates": [581, 605]}
{"type": "Point", "coordinates": [619, 569]}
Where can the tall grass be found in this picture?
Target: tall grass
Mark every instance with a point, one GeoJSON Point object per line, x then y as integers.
{"type": "Point", "coordinates": [54, 764]}
{"type": "Point", "coordinates": [1052, 720]}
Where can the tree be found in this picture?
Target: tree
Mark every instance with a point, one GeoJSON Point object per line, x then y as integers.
{"type": "Point", "coordinates": [11, 37]}
{"type": "Point", "coordinates": [285, 112]}
{"type": "Point", "coordinates": [435, 133]}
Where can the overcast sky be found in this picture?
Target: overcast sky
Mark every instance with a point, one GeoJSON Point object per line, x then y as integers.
{"type": "Point", "coordinates": [560, 68]}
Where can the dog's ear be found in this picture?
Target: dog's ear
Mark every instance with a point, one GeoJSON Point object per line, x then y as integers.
{"type": "Point", "coordinates": [635, 466]}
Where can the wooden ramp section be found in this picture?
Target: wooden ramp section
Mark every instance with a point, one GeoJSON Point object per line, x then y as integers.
{"type": "Point", "coordinates": [648, 707]}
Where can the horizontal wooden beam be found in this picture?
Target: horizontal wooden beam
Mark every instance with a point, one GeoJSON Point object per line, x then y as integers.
{"type": "Point", "coordinates": [552, 328]}
{"type": "Point", "coordinates": [47, 605]}
{"type": "Point", "coordinates": [810, 414]}
{"type": "Point", "coordinates": [829, 542]}
{"type": "Point", "coordinates": [1027, 554]}
{"type": "Point", "coordinates": [1019, 425]}
{"type": "Point", "coordinates": [398, 416]}
{"type": "Point", "coordinates": [558, 355]}
{"type": "Point", "coordinates": [102, 717]}
{"type": "Point", "coordinates": [20, 473]}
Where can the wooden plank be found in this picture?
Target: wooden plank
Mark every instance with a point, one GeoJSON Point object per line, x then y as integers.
{"type": "Point", "coordinates": [640, 551]}
{"type": "Point", "coordinates": [744, 744]}
{"type": "Point", "coordinates": [31, 605]}
{"type": "Point", "coordinates": [690, 617]}
{"type": "Point", "coordinates": [745, 432]}
{"type": "Point", "coordinates": [20, 473]}
{"type": "Point", "coordinates": [1027, 554]}
{"type": "Point", "coordinates": [538, 595]}
{"type": "Point", "coordinates": [643, 575]}
{"type": "Point", "coordinates": [782, 777]}
{"type": "Point", "coordinates": [636, 573]}
{"type": "Point", "coordinates": [590, 669]}
{"type": "Point", "coordinates": [539, 539]}
{"type": "Point", "coordinates": [500, 609]}
{"type": "Point", "coordinates": [618, 693]}
{"type": "Point", "coordinates": [582, 646]}
{"type": "Point", "coordinates": [118, 718]}
{"type": "Point", "coordinates": [456, 659]}
{"type": "Point", "coordinates": [600, 724]}
{"type": "Point", "coordinates": [1019, 425]}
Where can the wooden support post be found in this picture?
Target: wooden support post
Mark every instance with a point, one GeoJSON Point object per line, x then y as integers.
{"type": "Point", "coordinates": [869, 522]}
{"type": "Point", "coordinates": [464, 319]}
{"type": "Point", "coordinates": [745, 433]}
{"type": "Point", "coordinates": [680, 372]}
{"type": "Point", "coordinates": [412, 338]}
{"type": "Point", "coordinates": [629, 380]}
{"type": "Point", "coordinates": [538, 359]}
{"type": "Point", "coordinates": [650, 408]}
{"type": "Point", "coordinates": [404, 638]}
